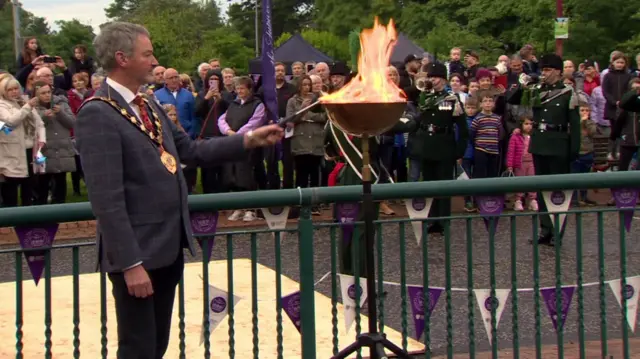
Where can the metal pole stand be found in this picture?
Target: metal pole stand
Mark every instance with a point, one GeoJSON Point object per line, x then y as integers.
{"type": "Point", "coordinates": [376, 342]}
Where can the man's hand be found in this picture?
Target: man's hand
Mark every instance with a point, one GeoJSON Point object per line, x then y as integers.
{"type": "Point", "coordinates": [38, 60]}
{"type": "Point", "coordinates": [56, 108]}
{"type": "Point", "coordinates": [60, 63]}
{"type": "Point", "coordinates": [263, 136]}
{"type": "Point", "coordinates": [138, 282]}
{"type": "Point", "coordinates": [231, 133]}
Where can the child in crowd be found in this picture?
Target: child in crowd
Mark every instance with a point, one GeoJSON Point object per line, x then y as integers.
{"type": "Point", "coordinates": [520, 161]}
{"type": "Point", "coordinates": [486, 132]}
{"type": "Point", "coordinates": [584, 162]}
{"type": "Point", "coordinates": [474, 86]}
{"type": "Point", "coordinates": [172, 113]}
{"type": "Point", "coordinates": [471, 109]}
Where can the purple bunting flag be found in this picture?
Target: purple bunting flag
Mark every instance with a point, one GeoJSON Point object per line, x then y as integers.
{"type": "Point", "coordinates": [291, 305]}
{"type": "Point", "coordinates": [549, 296]}
{"type": "Point", "coordinates": [204, 224]}
{"type": "Point", "coordinates": [416, 297]}
{"type": "Point", "coordinates": [490, 206]}
{"type": "Point", "coordinates": [40, 236]}
{"type": "Point", "coordinates": [347, 214]}
{"type": "Point", "coordinates": [625, 199]}
{"type": "Point", "coordinates": [268, 64]}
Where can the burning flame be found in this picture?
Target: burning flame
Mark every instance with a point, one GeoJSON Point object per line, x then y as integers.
{"type": "Point", "coordinates": [371, 85]}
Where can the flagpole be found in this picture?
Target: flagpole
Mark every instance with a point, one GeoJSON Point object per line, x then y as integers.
{"type": "Point", "coordinates": [256, 27]}
{"type": "Point", "coordinates": [16, 26]}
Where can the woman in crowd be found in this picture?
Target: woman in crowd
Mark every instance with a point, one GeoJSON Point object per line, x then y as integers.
{"type": "Point", "coordinates": [59, 150]}
{"type": "Point", "coordinates": [30, 51]}
{"type": "Point", "coordinates": [615, 84]}
{"type": "Point", "coordinates": [187, 83]}
{"type": "Point", "coordinates": [456, 81]}
{"type": "Point", "coordinates": [210, 105]}
{"type": "Point", "coordinates": [76, 96]}
{"type": "Point", "coordinates": [244, 114]}
{"type": "Point", "coordinates": [307, 144]}
{"type": "Point", "coordinates": [18, 147]}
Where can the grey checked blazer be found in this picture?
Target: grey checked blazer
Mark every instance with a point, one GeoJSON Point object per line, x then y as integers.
{"type": "Point", "coordinates": [141, 208]}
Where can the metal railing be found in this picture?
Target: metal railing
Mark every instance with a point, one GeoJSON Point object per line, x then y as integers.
{"type": "Point", "coordinates": [449, 263]}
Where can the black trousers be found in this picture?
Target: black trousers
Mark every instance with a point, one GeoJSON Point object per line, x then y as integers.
{"type": "Point", "coordinates": [77, 176]}
{"type": "Point", "coordinates": [9, 188]}
{"type": "Point", "coordinates": [438, 171]}
{"type": "Point", "coordinates": [485, 165]}
{"type": "Point", "coordinates": [626, 155]}
{"type": "Point", "coordinates": [307, 170]}
{"type": "Point", "coordinates": [211, 178]}
{"type": "Point", "coordinates": [549, 165]}
{"type": "Point", "coordinates": [59, 189]}
{"type": "Point", "coordinates": [191, 177]}
{"type": "Point", "coordinates": [288, 164]}
{"type": "Point", "coordinates": [144, 324]}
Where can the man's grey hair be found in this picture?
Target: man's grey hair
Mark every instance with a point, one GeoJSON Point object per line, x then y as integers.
{"type": "Point", "coordinates": [116, 36]}
{"type": "Point", "coordinates": [97, 77]}
{"type": "Point", "coordinates": [202, 65]}
{"type": "Point", "coordinates": [516, 57]}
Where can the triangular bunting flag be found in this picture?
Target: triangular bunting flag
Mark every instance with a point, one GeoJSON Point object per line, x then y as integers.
{"type": "Point", "coordinates": [630, 292]}
{"type": "Point", "coordinates": [461, 173]}
{"type": "Point", "coordinates": [626, 199]}
{"type": "Point", "coordinates": [204, 224]}
{"type": "Point", "coordinates": [276, 217]}
{"type": "Point", "coordinates": [348, 287]}
{"type": "Point", "coordinates": [416, 297]}
{"type": "Point", "coordinates": [486, 303]}
{"type": "Point", "coordinates": [490, 207]}
{"type": "Point", "coordinates": [549, 296]}
{"type": "Point", "coordinates": [218, 308]}
{"type": "Point", "coordinates": [347, 214]}
{"type": "Point", "coordinates": [418, 208]}
{"type": "Point", "coordinates": [557, 201]}
{"type": "Point", "coordinates": [39, 236]}
{"type": "Point", "coordinates": [291, 305]}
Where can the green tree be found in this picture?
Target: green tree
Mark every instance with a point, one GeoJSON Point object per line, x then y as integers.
{"type": "Point", "coordinates": [70, 33]}
{"type": "Point", "coordinates": [122, 9]}
{"type": "Point", "coordinates": [30, 26]}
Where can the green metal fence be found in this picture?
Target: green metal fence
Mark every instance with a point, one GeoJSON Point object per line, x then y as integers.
{"type": "Point", "coordinates": [454, 262]}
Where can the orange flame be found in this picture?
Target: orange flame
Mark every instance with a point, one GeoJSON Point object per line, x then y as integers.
{"type": "Point", "coordinates": [372, 84]}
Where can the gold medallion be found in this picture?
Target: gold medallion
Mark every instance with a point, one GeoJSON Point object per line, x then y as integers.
{"type": "Point", "coordinates": [168, 161]}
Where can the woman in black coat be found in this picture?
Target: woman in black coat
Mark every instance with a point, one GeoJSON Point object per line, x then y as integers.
{"type": "Point", "coordinates": [210, 105]}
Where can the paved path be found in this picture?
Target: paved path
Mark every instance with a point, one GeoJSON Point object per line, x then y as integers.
{"type": "Point", "coordinates": [459, 300]}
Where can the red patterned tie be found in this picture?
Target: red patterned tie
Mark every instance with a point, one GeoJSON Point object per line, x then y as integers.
{"type": "Point", "coordinates": [143, 113]}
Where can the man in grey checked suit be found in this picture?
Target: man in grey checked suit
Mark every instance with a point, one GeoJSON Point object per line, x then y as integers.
{"type": "Point", "coordinates": [139, 201]}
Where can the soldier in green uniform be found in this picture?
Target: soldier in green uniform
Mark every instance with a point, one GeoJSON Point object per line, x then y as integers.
{"type": "Point", "coordinates": [555, 140]}
{"type": "Point", "coordinates": [433, 141]}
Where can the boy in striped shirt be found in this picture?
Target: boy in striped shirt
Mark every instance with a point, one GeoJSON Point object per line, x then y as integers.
{"type": "Point", "coordinates": [485, 132]}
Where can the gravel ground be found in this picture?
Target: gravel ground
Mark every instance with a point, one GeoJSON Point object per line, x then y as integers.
{"type": "Point", "coordinates": [459, 302]}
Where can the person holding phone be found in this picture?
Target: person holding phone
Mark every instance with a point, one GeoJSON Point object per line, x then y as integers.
{"type": "Point", "coordinates": [19, 146]}
{"type": "Point", "coordinates": [210, 105]}
{"type": "Point", "coordinates": [59, 150]}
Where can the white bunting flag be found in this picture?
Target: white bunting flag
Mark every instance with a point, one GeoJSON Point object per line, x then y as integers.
{"type": "Point", "coordinates": [557, 201]}
{"type": "Point", "coordinates": [462, 174]}
{"type": "Point", "coordinates": [348, 287]}
{"type": "Point", "coordinates": [486, 302]}
{"type": "Point", "coordinates": [276, 217]}
{"type": "Point", "coordinates": [631, 288]}
{"type": "Point", "coordinates": [418, 208]}
{"type": "Point", "coordinates": [218, 307]}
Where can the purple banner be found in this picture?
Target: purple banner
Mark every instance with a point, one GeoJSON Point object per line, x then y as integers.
{"type": "Point", "coordinates": [626, 199]}
{"type": "Point", "coordinates": [347, 214]}
{"type": "Point", "coordinates": [291, 305]}
{"type": "Point", "coordinates": [36, 237]}
{"type": "Point", "coordinates": [268, 64]}
{"type": "Point", "coordinates": [490, 206]}
{"type": "Point", "coordinates": [416, 297]}
{"type": "Point", "coordinates": [549, 296]}
{"type": "Point", "coordinates": [204, 224]}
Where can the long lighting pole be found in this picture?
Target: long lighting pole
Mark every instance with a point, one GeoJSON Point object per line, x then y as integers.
{"type": "Point", "coordinates": [256, 25]}
{"type": "Point", "coordinates": [16, 27]}
{"type": "Point", "coordinates": [559, 14]}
